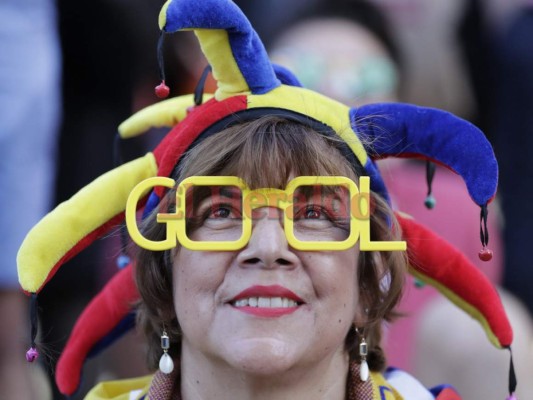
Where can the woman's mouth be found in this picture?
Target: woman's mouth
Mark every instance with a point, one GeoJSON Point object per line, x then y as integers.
{"type": "Point", "coordinates": [267, 301]}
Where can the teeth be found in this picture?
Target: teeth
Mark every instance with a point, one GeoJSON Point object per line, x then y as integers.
{"type": "Point", "coordinates": [265, 302]}
{"type": "Point", "coordinates": [241, 303]}
{"type": "Point", "coordinates": [276, 302]}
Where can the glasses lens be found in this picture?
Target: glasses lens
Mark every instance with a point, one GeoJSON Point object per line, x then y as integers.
{"type": "Point", "coordinates": [321, 213]}
{"type": "Point", "coordinates": [214, 213]}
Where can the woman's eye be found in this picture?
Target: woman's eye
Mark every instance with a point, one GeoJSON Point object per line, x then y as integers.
{"type": "Point", "coordinates": [313, 213]}
{"type": "Point", "coordinates": [214, 218]}
{"type": "Point", "coordinates": [220, 212]}
{"type": "Point", "coordinates": [317, 223]}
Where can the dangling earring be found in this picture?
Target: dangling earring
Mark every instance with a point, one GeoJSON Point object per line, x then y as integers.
{"type": "Point", "coordinates": [363, 352]}
{"type": "Point", "coordinates": [166, 365]}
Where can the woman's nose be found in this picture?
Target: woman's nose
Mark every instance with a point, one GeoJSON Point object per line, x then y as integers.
{"type": "Point", "coordinates": [268, 246]}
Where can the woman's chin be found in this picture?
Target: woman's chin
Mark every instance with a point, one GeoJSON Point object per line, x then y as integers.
{"type": "Point", "coordinates": [262, 356]}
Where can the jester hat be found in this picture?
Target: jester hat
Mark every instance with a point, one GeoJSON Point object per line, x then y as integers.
{"type": "Point", "coordinates": [249, 86]}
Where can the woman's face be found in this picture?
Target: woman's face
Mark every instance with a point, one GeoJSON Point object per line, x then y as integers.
{"type": "Point", "coordinates": [267, 308]}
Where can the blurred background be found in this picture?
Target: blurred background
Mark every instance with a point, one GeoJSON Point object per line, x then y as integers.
{"type": "Point", "coordinates": [70, 73]}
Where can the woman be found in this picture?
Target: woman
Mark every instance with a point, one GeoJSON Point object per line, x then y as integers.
{"type": "Point", "coordinates": [194, 295]}
{"type": "Point", "coordinates": [279, 296]}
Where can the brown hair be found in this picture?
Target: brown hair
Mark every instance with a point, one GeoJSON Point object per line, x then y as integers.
{"type": "Point", "coordinates": [266, 153]}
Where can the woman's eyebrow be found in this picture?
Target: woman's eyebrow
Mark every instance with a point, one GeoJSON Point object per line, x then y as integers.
{"type": "Point", "coordinates": [331, 192]}
{"type": "Point", "coordinates": [228, 191]}
{"type": "Point", "coordinates": [205, 192]}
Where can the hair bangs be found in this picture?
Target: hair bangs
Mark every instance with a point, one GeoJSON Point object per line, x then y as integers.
{"type": "Point", "coordinates": [267, 152]}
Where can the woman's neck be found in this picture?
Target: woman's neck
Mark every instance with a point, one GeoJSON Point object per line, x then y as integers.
{"type": "Point", "coordinates": [203, 378]}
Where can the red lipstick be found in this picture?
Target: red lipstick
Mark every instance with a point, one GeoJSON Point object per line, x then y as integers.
{"type": "Point", "coordinates": [270, 291]}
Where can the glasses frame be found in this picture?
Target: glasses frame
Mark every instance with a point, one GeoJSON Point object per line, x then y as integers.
{"type": "Point", "coordinates": [253, 199]}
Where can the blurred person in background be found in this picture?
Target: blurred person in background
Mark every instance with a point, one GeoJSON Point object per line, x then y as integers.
{"type": "Point", "coordinates": [513, 133]}
{"type": "Point", "coordinates": [30, 111]}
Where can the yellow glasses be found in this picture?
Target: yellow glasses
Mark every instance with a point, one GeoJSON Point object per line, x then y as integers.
{"type": "Point", "coordinates": [217, 213]}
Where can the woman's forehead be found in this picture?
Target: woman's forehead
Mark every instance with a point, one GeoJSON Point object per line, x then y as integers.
{"type": "Point", "coordinates": [267, 152]}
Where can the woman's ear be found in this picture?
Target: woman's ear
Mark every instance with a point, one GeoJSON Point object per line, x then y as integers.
{"type": "Point", "coordinates": [370, 260]}
{"type": "Point", "coordinates": [361, 317]}
{"type": "Point", "coordinates": [379, 265]}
